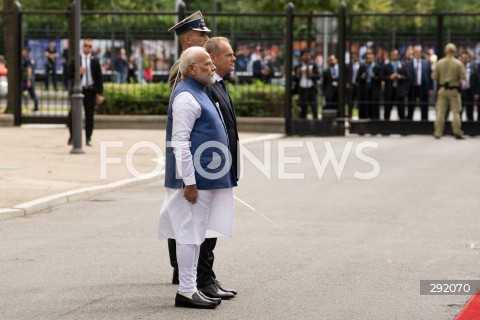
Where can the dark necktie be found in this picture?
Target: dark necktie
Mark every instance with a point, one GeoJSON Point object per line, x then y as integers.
{"type": "Point", "coordinates": [86, 72]}
{"type": "Point", "coordinates": [222, 83]}
{"type": "Point", "coordinates": [419, 66]}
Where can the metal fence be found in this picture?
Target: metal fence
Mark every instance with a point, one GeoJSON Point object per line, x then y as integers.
{"type": "Point", "coordinates": [145, 37]}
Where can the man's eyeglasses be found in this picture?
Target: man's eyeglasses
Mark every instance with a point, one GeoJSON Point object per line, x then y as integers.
{"type": "Point", "coordinates": [87, 45]}
{"type": "Point", "coordinates": [208, 64]}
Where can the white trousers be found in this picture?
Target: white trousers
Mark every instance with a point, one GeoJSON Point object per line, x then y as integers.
{"type": "Point", "coordinates": [187, 259]}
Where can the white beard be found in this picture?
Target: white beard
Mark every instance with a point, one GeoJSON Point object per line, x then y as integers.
{"type": "Point", "coordinates": [212, 78]}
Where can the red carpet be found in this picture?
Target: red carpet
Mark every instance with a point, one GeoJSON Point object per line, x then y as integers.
{"type": "Point", "coordinates": [471, 311]}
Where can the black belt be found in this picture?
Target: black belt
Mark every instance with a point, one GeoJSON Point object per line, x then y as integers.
{"type": "Point", "coordinates": [89, 88]}
{"type": "Point", "coordinates": [449, 87]}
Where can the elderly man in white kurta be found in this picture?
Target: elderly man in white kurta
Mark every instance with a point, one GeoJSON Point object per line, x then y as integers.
{"type": "Point", "coordinates": [198, 174]}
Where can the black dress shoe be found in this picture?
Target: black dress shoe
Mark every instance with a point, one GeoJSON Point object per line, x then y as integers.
{"type": "Point", "coordinates": [459, 137]}
{"type": "Point", "coordinates": [219, 285]}
{"type": "Point", "coordinates": [195, 302]}
{"type": "Point", "coordinates": [217, 300]}
{"type": "Point", "coordinates": [175, 276]}
{"type": "Point", "coordinates": [213, 291]}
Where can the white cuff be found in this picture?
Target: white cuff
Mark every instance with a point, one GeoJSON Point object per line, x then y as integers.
{"type": "Point", "coordinates": [188, 181]}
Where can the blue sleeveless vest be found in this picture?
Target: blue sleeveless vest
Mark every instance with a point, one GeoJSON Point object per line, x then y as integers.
{"type": "Point", "coordinates": [208, 144]}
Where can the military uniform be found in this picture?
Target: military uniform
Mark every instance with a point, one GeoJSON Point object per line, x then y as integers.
{"type": "Point", "coordinates": [174, 76]}
{"type": "Point", "coordinates": [449, 72]}
{"type": "Point", "coordinates": [192, 22]}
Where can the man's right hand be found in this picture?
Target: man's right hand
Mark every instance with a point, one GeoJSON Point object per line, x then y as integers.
{"type": "Point", "coordinates": [190, 193]}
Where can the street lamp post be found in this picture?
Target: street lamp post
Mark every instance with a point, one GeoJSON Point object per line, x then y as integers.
{"type": "Point", "coordinates": [77, 96]}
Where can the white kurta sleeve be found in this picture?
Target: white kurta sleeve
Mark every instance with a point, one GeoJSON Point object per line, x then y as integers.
{"type": "Point", "coordinates": [185, 110]}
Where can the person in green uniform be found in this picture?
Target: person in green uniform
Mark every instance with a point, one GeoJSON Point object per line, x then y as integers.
{"type": "Point", "coordinates": [449, 73]}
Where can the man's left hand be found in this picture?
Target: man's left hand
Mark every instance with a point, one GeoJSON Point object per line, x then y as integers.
{"type": "Point", "coordinates": [99, 99]}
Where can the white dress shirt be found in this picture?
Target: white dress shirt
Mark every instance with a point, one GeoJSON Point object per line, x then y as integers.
{"type": "Point", "coordinates": [185, 111]}
{"type": "Point", "coordinates": [305, 82]}
{"type": "Point", "coordinates": [87, 79]}
{"type": "Point", "coordinates": [355, 67]}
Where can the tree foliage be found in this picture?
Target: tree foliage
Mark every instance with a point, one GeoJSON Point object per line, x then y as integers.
{"type": "Point", "coordinates": [400, 6]}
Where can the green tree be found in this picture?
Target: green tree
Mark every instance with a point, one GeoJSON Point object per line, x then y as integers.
{"type": "Point", "coordinates": [152, 5]}
{"type": "Point", "coordinates": [400, 6]}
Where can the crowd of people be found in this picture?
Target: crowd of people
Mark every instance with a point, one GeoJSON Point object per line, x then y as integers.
{"type": "Point", "coordinates": [387, 79]}
{"type": "Point", "coordinates": [377, 81]}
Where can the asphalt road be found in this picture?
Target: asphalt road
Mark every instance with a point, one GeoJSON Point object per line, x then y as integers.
{"type": "Point", "coordinates": [320, 247]}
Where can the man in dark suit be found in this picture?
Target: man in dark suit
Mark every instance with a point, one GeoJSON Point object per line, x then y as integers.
{"type": "Point", "coordinates": [369, 86]}
{"type": "Point", "coordinates": [468, 85]}
{"type": "Point", "coordinates": [224, 59]}
{"type": "Point", "coordinates": [263, 68]}
{"type": "Point", "coordinates": [306, 77]}
{"type": "Point", "coordinates": [394, 75]}
{"type": "Point", "coordinates": [419, 75]}
{"type": "Point", "coordinates": [51, 56]}
{"type": "Point", "coordinates": [475, 87]}
{"type": "Point", "coordinates": [352, 84]}
{"type": "Point", "coordinates": [92, 88]}
{"type": "Point", "coordinates": [330, 83]}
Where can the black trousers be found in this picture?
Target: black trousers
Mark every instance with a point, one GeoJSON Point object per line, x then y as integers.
{"type": "Point", "coordinates": [368, 103]}
{"type": "Point", "coordinates": [65, 77]}
{"type": "Point", "coordinates": [307, 96]}
{"type": "Point", "coordinates": [416, 93]}
{"type": "Point", "coordinates": [468, 103]}
{"type": "Point", "coordinates": [50, 72]}
{"type": "Point", "coordinates": [393, 98]}
{"type": "Point", "coordinates": [89, 96]}
{"type": "Point", "coordinates": [352, 99]}
{"type": "Point", "coordinates": [205, 274]}
{"type": "Point", "coordinates": [33, 96]}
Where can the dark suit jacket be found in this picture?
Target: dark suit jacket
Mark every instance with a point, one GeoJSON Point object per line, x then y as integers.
{"type": "Point", "coordinates": [427, 82]}
{"type": "Point", "coordinates": [227, 109]}
{"type": "Point", "coordinates": [349, 75]}
{"type": "Point", "coordinates": [330, 90]}
{"type": "Point", "coordinates": [362, 77]}
{"type": "Point", "coordinates": [475, 78]}
{"type": "Point", "coordinates": [96, 71]}
{"type": "Point", "coordinates": [257, 71]}
{"type": "Point", "coordinates": [401, 83]}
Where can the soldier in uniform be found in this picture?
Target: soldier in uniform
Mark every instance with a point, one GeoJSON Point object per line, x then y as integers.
{"type": "Point", "coordinates": [191, 32]}
{"type": "Point", "coordinates": [449, 73]}
{"type": "Point", "coordinates": [28, 76]}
